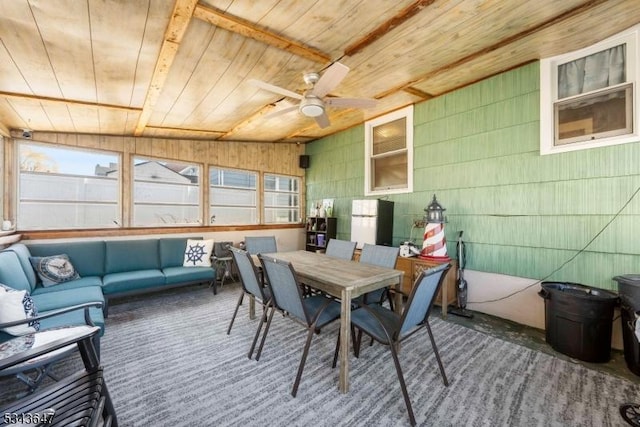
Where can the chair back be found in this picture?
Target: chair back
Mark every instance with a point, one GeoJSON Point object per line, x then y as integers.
{"type": "Point", "coordinates": [342, 249]}
{"type": "Point", "coordinates": [285, 289]}
{"type": "Point", "coordinates": [422, 297]}
{"type": "Point", "coordinates": [248, 272]}
{"type": "Point", "coordinates": [221, 249]}
{"type": "Point", "coordinates": [382, 256]}
{"type": "Point", "coordinates": [260, 244]}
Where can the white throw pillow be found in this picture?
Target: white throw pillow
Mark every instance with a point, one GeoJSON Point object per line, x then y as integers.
{"type": "Point", "coordinates": [17, 305]}
{"type": "Point", "coordinates": [198, 253]}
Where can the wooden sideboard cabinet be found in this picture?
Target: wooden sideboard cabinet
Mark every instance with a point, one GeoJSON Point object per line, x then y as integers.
{"type": "Point", "coordinates": [412, 268]}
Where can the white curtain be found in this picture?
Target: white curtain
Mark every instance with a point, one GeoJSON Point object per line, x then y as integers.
{"type": "Point", "coordinates": [597, 71]}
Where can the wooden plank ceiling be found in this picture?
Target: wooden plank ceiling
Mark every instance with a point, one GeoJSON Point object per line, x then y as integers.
{"type": "Point", "coordinates": [181, 69]}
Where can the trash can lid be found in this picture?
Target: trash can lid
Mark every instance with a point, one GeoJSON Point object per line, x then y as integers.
{"type": "Point", "coordinates": [578, 290]}
{"type": "Point", "coordinates": [628, 279]}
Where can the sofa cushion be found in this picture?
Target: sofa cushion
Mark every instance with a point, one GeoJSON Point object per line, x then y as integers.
{"type": "Point", "coordinates": [73, 284]}
{"type": "Point", "coordinates": [172, 251]}
{"type": "Point", "coordinates": [17, 305]}
{"type": "Point", "coordinates": [54, 269]}
{"type": "Point", "coordinates": [46, 301]}
{"type": "Point", "coordinates": [11, 272]}
{"type": "Point", "coordinates": [74, 318]}
{"type": "Point", "coordinates": [198, 253]}
{"type": "Point", "coordinates": [176, 275]}
{"type": "Point", "coordinates": [23, 253]}
{"type": "Point", "coordinates": [115, 283]}
{"type": "Point", "coordinates": [131, 255]}
{"type": "Point", "coordinates": [87, 257]}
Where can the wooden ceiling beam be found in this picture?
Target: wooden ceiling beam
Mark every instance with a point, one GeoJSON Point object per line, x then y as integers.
{"type": "Point", "coordinates": [180, 18]}
{"type": "Point", "coordinates": [258, 114]}
{"type": "Point", "coordinates": [248, 29]}
{"type": "Point", "coordinates": [23, 97]}
{"type": "Point", "coordinates": [419, 93]}
{"type": "Point", "coordinates": [4, 131]}
{"type": "Point", "coordinates": [213, 133]}
{"type": "Point", "coordinates": [399, 19]}
{"type": "Point", "coordinates": [504, 42]}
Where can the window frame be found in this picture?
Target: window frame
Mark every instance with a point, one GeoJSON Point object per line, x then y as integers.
{"type": "Point", "coordinates": [211, 188]}
{"type": "Point", "coordinates": [263, 198]}
{"type": "Point", "coordinates": [407, 114]}
{"type": "Point", "coordinates": [549, 96]}
{"type": "Point", "coordinates": [132, 215]}
{"type": "Point", "coordinates": [117, 223]}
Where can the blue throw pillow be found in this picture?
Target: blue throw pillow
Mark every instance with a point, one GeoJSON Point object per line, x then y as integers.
{"type": "Point", "coordinates": [54, 269]}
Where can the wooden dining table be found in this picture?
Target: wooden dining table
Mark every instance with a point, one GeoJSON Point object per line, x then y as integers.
{"type": "Point", "coordinates": [343, 279]}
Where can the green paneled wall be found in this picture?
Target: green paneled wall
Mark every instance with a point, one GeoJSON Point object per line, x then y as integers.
{"type": "Point", "coordinates": [523, 214]}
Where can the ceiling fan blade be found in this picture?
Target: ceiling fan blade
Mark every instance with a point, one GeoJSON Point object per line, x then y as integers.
{"type": "Point", "coordinates": [280, 112]}
{"type": "Point", "coordinates": [330, 79]}
{"type": "Point", "coordinates": [275, 89]}
{"type": "Point", "coordinates": [322, 120]}
{"type": "Point", "coordinates": [350, 102]}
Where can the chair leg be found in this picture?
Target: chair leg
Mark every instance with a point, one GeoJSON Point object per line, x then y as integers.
{"type": "Point", "coordinates": [266, 331]}
{"type": "Point", "coordinates": [389, 296]}
{"type": "Point", "coordinates": [108, 408]}
{"type": "Point", "coordinates": [356, 343]}
{"type": "Point", "coordinates": [435, 351]}
{"type": "Point", "coordinates": [305, 352]}
{"type": "Point", "coordinates": [403, 386]}
{"type": "Point", "coordinates": [337, 351]}
{"type": "Point", "coordinates": [235, 312]}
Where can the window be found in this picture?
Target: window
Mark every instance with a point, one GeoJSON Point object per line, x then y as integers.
{"type": "Point", "coordinates": [281, 199]}
{"type": "Point", "coordinates": [165, 193]}
{"type": "Point", "coordinates": [389, 153]}
{"type": "Point", "coordinates": [63, 188]}
{"type": "Point", "coordinates": [232, 196]}
{"type": "Point", "coordinates": [588, 97]}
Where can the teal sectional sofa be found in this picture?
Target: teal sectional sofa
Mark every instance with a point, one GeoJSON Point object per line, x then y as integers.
{"type": "Point", "coordinates": [107, 269]}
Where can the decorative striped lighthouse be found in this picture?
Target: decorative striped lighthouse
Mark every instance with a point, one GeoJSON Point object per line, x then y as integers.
{"type": "Point", "coordinates": [434, 246]}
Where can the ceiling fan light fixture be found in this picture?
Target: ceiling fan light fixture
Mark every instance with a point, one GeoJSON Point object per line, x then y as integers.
{"type": "Point", "coordinates": [312, 106]}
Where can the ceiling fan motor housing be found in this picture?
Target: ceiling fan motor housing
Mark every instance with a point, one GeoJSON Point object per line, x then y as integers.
{"type": "Point", "coordinates": [311, 106]}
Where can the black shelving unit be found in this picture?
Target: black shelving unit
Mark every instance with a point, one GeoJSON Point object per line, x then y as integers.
{"type": "Point", "coordinates": [319, 231]}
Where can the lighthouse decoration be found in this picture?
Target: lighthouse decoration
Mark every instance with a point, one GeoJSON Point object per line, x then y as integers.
{"type": "Point", "coordinates": [434, 246]}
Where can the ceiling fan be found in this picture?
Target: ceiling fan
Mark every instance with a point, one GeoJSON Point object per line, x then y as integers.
{"type": "Point", "coordinates": [313, 101]}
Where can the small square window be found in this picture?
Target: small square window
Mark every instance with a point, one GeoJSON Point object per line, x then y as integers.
{"type": "Point", "coordinates": [389, 153]}
{"type": "Point", "coordinates": [588, 97]}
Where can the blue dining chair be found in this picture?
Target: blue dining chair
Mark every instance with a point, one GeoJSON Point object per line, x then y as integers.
{"type": "Point", "coordinates": [313, 312]}
{"type": "Point", "coordinates": [390, 328]}
{"type": "Point", "coordinates": [381, 256]}
{"type": "Point", "coordinates": [251, 286]}
{"type": "Point", "coordinates": [342, 249]}
{"type": "Point", "coordinates": [260, 244]}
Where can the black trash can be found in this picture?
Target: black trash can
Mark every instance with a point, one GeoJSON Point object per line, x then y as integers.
{"type": "Point", "coordinates": [629, 291]}
{"type": "Point", "coordinates": [579, 319]}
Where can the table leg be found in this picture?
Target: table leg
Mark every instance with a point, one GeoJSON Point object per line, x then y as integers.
{"type": "Point", "coordinates": [252, 307]}
{"type": "Point", "coordinates": [445, 299]}
{"type": "Point", "coordinates": [345, 330]}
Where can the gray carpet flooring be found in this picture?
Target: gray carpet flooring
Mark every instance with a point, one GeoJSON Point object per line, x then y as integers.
{"type": "Point", "coordinates": [169, 362]}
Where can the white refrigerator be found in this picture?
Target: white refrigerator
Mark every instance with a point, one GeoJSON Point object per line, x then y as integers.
{"type": "Point", "coordinates": [372, 222]}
